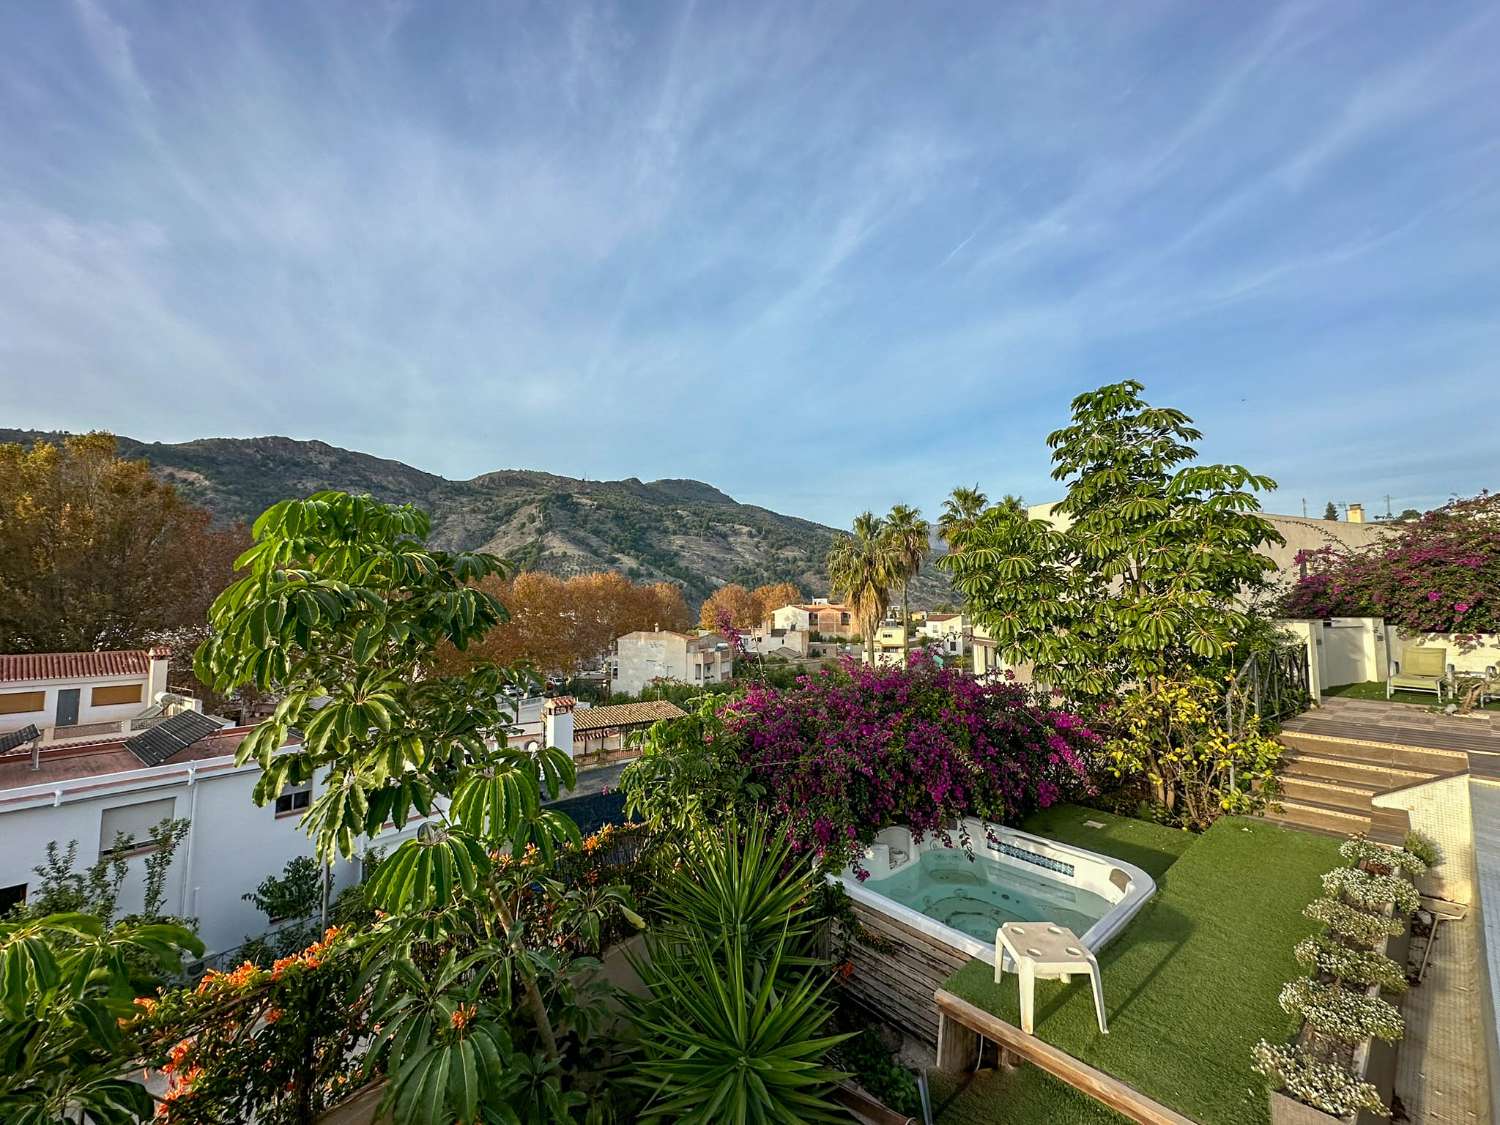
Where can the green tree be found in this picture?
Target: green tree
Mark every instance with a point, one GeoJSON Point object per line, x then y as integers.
{"type": "Point", "coordinates": [960, 512]}
{"type": "Point", "coordinates": [860, 572]}
{"type": "Point", "coordinates": [908, 544]}
{"type": "Point", "coordinates": [1331, 512]}
{"type": "Point", "coordinates": [67, 984]}
{"type": "Point", "coordinates": [1142, 573]}
{"type": "Point", "coordinates": [96, 552]}
{"type": "Point", "coordinates": [340, 614]}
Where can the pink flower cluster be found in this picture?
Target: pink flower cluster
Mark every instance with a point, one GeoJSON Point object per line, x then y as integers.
{"type": "Point", "coordinates": [1439, 574]}
{"type": "Point", "coordinates": [844, 754]}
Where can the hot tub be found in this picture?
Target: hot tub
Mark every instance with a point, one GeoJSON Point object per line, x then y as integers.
{"type": "Point", "coordinates": [1012, 877]}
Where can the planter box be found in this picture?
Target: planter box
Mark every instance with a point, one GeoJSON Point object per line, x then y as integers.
{"type": "Point", "coordinates": [1374, 1061]}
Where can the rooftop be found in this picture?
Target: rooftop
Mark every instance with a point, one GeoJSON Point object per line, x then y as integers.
{"type": "Point", "coordinates": [99, 759]}
{"type": "Point", "coordinates": [624, 715]}
{"type": "Point", "coordinates": [75, 665]}
{"type": "Point", "coordinates": [1192, 981]}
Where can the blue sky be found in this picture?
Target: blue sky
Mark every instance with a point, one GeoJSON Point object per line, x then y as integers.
{"type": "Point", "coordinates": [825, 256]}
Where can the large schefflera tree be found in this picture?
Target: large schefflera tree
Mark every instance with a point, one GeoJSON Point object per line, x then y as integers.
{"type": "Point", "coordinates": [1141, 576]}
{"type": "Point", "coordinates": [340, 614]}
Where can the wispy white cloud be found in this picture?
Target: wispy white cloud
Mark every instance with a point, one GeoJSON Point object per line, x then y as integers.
{"type": "Point", "coordinates": [624, 240]}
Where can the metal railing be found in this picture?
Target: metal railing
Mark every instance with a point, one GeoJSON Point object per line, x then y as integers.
{"type": "Point", "coordinates": [1268, 687]}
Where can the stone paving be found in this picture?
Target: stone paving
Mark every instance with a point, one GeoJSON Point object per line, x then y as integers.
{"type": "Point", "coordinates": [1442, 1072]}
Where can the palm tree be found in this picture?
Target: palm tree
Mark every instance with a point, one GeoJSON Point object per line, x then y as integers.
{"type": "Point", "coordinates": [908, 543]}
{"type": "Point", "coordinates": [960, 511]}
{"type": "Point", "coordinates": [1012, 504]}
{"type": "Point", "coordinates": [860, 574]}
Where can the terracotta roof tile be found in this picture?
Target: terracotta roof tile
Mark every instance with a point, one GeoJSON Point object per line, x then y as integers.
{"type": "Point", "coordinates": [624, 715]}
{"type": "Point", "coordinates": [73, 665]}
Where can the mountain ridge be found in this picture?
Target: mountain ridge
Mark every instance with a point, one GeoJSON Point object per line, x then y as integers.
{"type": "Point", "coordinates": [671, 529]}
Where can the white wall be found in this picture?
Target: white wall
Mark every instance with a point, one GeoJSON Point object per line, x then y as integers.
{"type": "Point", "coordinates": [87, 712]}
{"type": "Point", "coordinates": [1465, 653]}
{"type": "Point", "coordinates": [232, 845]}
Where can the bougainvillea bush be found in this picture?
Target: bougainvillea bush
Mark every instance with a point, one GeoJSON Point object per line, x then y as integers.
{"type": "Point", "coordinates": [846, 753]}
{"type": "Point", "coordinates": [1438, 574]}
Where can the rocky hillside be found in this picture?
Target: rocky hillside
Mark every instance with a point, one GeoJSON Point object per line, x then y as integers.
{"type": "Point", "coordinates": [680, 530]}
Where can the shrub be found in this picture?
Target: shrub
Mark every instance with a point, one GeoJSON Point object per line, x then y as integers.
{"type": "Point", "coordinates": [1316, 1082]}
{"type": "Point", "coordinates": [876, 1069]}
{"type": "Point", "coordinates": [1423, 847]}
{"type": "Point", "coordinates": [1372, 892]}
{"type": "Point", "coordinates": [1349, 922]}
{"type": "Point", "coordinates": [1368, 854]}
{"type": "Point", "coordinates": [846, 753]}
{"type": "Point", "coordinates": [1438, 574]}
{"type": "Point", "coordinates": [1323, 954]}
{"type": "Point", "coordinates": [1335, 1012]}
{"type": "Point", "coordinates": [1171, 734]}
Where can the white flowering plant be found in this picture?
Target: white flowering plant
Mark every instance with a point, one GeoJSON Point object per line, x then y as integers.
{"type": "Point", "coordinates": [1359, 888]}
{"type": "Point", "coordinates": [1335, 1012]}
{"type": "Point", "coordinates": [1316, 1082]}
{"type": "Point", "coordinates": [1351, 923]}
{"type": "Point", "coordinates": [1323, 954]}
{"type": "Point", "coordinates": [1364, 852]}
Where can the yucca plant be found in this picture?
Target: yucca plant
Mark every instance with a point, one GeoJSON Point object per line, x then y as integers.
{"type": "Point", "coordinates": [721, 1040]}
{"type": "Point", "coordinates": [739, 886]}
{"type": "Point", "coordinates": [735, 1024]}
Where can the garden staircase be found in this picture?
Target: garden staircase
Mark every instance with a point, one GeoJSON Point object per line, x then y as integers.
{"type": "Point", "coordinates": [1342, 756]}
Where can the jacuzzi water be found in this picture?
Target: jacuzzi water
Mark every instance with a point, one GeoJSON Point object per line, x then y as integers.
{"type": "Point", "coordinates": [974, 896]}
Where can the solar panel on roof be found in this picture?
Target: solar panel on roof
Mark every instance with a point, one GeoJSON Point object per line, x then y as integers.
{"type": "Point", "coordinates": [11, 739]}
{"type": "Point", "coordinates": [167, 737]}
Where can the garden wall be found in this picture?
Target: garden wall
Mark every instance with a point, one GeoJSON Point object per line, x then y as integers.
{"type": "Point", "coordinates": [1467, 654]}
{"type": "Point", "coordinates": [1441, 809]}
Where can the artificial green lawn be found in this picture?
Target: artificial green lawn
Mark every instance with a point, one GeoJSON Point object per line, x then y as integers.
{"type": "Point", "coordinates": [1375, 689]}
{"type": "Point", "coordinates": [1189, 986]}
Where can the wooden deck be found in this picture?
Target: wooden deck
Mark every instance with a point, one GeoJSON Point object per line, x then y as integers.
{"type": "Point", "coordinates": [963, 1025]}
{"type": "Point", "coordinates": [1402, 724]}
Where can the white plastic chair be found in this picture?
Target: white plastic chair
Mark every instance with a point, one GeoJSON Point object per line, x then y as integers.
{"type": "Point", "coordinates": [1046, 951]}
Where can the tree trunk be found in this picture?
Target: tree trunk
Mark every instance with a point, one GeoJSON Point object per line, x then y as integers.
{"type": "Point", "coordinates": [905, 627]}
{"type": "Point", "coordinates": [534, 1002]}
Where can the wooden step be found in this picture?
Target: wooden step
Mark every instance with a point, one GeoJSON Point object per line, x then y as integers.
{"type": "Point", "coordinates": [1318, 817]}
{"type": "Point", "coordinates": [1335, 768]}
{"type": "Point", "coordinates": [1389, 826]}
{"type": "Point", "coordinates": [1328, 791]}
{"type": "Point", "coordinates": [1421, 759]}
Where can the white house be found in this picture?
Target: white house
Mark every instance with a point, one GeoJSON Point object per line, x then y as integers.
{"type": "Point", "coordinates": [660, 654]}
{"type": "Point", "coordinates": [80, 695]}
{"type": "Point", "coordinates": [94, 791]}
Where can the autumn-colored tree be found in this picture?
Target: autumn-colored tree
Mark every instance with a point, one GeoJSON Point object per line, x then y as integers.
{"type": "Point", "coordinates": [559, 624]}
{"type": "Point", "coordinates": [96, 553]}
{"type": "Point", "coordinates": [732, 603]}
{"type": "Point", "coordinates": [771, 597]}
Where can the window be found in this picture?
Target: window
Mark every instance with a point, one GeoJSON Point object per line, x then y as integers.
{"type": "Point", "coordinates": [134, 824]}
{"type": "Point", "coordinates": [116, 694]}
{"type": "Point", "coordinates": [11, 897]}
{"type": "Point", "coordinates": [22, 702]}
{"type": "Point", "coordinates": [294, 798]}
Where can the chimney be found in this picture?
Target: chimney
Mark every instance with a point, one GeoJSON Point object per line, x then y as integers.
{"type": "Point", "coordinates": [557, 723]}
{"type": "Point", "coordinates": [156, 683]}
{"type": "Point", "coordinates": [1356, 513]}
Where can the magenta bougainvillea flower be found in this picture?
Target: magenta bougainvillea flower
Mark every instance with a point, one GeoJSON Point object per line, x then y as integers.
{"type": "Point", "coordinates": [844, 754]}
{"type": "Point", "coordinates": [1438, 574]}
